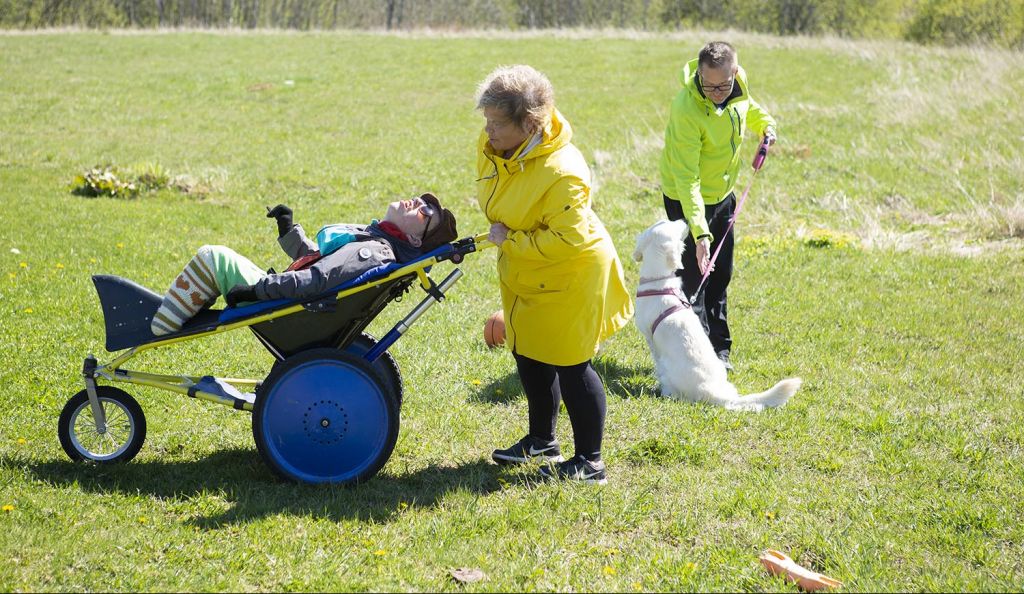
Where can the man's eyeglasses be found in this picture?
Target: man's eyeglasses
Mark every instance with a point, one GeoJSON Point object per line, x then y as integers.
{"type": "Point", "coordinates": [726, 86]}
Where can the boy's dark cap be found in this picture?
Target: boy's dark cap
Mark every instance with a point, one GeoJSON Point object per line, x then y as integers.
{"type": "Point", "coordinates": [442, 233]}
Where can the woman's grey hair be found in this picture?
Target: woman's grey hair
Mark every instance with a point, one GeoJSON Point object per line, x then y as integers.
{"type": "Point", "coordinates": [717, 54]}
{"type": "Point", "coordinates": [522, 93]}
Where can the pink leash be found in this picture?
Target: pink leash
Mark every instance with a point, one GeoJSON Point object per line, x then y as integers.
{"type": "Point", "coordinates": [762, 152]}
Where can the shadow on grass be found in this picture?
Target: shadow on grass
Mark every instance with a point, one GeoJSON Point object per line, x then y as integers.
{"type": "Point", "coordinates": [240, 477]}
{"type": "Point", "coordinates": [500, 391]}
{"type": "Point", "coordinates": [627, 382]}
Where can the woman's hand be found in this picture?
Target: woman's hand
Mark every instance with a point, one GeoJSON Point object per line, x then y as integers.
{"type": "Point", "coordinates": [498, 233]}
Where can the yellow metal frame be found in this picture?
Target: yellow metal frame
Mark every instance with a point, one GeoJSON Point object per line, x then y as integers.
{"type": "Point", "coordinates": [185, 384]}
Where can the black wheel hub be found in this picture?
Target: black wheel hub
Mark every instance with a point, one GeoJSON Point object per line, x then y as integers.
{"type": "Point", "coordinates": [325, 422]}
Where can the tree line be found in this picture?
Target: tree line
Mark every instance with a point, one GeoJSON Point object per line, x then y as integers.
{"type": "Point", "coordinates": [991, 22]}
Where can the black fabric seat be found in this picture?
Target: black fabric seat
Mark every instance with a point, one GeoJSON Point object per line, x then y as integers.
{"type": "Point", "coordinates": [128, 310]}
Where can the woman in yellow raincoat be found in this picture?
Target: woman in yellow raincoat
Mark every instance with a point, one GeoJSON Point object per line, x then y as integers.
{"type": "Point", "coordinates": [562, 288]}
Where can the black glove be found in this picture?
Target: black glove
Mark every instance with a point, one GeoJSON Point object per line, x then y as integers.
{"type": "Point", "coordinates": [283, 214]}
{"type": "Point", "coordinates": [240, 294]}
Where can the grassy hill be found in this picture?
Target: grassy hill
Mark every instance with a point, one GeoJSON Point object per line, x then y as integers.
{"type": "Point", "coordinates": [879, 258]}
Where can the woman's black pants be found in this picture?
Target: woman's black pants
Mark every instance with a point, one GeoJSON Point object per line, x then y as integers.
{"type": "Point", "coordinates": [580, 387]}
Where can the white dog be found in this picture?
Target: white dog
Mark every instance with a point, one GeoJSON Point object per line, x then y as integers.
{"type": "Point", "coordinates": [684, 359]}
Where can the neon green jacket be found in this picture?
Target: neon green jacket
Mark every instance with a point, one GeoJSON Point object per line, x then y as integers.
{"type": "Point", "coordinates": [702, 145]}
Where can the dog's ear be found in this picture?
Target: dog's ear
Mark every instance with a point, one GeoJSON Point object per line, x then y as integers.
{"type": "Point", "coordinates": [681, 229]}
{"type": "Point", "coordinates": [641, 244]}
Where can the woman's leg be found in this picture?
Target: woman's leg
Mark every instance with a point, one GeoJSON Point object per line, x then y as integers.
{"type": "Point", "coordinates": [211, 272]}
{"type": "Point", "coordinates": [585, 401]}
{"type": "Point", "coordinates": [540, 382]}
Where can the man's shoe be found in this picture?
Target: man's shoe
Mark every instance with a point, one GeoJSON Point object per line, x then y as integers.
{"type": "Point", "coordinates": [724, 358]}
{"type": "Point", "coordinates": [529, 449]}
{"type": "Point", "coordinates": [576, 468]}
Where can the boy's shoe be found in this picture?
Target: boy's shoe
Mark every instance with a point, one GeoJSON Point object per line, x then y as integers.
{"type": "Point", "coordinates": [529, 449]}
{"type": "Point", "coordinates": [576, 468]}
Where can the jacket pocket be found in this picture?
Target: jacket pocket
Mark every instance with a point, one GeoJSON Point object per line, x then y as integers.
{"type": "Point", "coordinates": [543, 281]}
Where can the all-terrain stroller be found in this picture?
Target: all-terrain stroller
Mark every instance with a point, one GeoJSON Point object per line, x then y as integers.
{"type": "Point", "coordinates": [328, 412]}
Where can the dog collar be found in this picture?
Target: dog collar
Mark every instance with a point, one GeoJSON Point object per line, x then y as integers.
{"type": "Point", "coordinates": [683, 303]}
{"type": "Point", "coordinates": [677, 273]}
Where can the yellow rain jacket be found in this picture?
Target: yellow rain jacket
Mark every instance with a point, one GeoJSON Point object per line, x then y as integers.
{"type": "Point", "coordinates": [562, 287]}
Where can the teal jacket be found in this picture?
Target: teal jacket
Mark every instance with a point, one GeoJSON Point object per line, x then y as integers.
{"type": "Point", "coordinates": [700, 162]}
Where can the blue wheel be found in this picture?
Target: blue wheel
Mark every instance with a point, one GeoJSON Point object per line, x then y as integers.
{"type": "Point", "coordinates": [325, 416]}
{"type": "Point", "coordinates": [385, 365]}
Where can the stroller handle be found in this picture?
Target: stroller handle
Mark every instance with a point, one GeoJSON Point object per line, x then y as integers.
{"type": "Point", "coordinates": [482, 242]}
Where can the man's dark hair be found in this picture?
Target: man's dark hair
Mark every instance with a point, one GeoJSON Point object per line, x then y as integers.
{"type": "Point", "coordinates": [717, 54]}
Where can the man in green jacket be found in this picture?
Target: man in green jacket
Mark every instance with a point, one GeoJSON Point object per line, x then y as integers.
{"type": "Point", "coordinates": [699, 167]}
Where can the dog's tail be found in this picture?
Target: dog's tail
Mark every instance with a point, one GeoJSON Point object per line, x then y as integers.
{"type": "Point", "coordinates": [777, 395]}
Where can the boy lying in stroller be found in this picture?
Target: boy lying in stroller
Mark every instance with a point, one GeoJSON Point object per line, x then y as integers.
{"type": "Point", "coordinates": [409, 229]}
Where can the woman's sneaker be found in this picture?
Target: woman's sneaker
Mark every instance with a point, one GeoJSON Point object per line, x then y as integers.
{"type": "Point", "coordinates": [576, 468]}
{"type": "Point", "coordinates": [529, 449]}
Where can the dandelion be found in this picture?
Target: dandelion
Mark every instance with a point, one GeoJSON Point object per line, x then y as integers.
{"type": "Point", "coordinates": [23, 264]}
{"type": "Point", "coordinates": [380, 552]}
{"type": "Point", "coordinates": [120, 245]}
{"type": "Point", "coordinates": [403, 505]}
{"type": "Point", "coordinates": [28, 310]}
{"type": "Point", "coordinates": [22, 441]}
{"type": "Point", "coordinates": [476, 382]}
{"type": "Point", "coordinates": [143, 519]}
{"type": "Point", "coordinates": [612, 552]}
{"type": "Point", "coordinates": [769, 515]}
{"type": "Point", "coordinates": [59, 266]}
{"type": "Point", "coordinates": [7, 508]}
{"type": "Point", "coordinates": [691, 566]}
{"type": "Point", "coordinates": [609, 570]}
{"type": "Point", "coordinates": [92, 260]}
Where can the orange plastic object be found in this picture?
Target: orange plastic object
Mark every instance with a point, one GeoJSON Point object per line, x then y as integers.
{"type": "Point", "coordinates": [809, 581]}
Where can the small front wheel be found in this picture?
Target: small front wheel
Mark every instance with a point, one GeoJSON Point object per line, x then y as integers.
{"type": "Point", "coordinates": [118, 440]}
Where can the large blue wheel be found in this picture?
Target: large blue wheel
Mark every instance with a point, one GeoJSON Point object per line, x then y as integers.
{"type": "Point", "coordinates": [325, 416]}
{"type": "Point", "coordinates": [385, 365]}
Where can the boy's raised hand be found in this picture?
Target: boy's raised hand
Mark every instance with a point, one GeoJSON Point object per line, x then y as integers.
{"type": "Point", "coordinates": [283, 214]}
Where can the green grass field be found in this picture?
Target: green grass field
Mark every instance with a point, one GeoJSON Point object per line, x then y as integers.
{"type": "Point", "coordinates": [880, 258]}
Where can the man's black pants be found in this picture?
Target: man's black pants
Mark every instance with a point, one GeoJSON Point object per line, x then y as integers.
{"type": "Point", "coordinates": [710, 305]}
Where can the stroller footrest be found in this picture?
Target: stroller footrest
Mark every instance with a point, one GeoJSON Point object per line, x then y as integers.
{"type": "Point", "coordinates": [225, 392]}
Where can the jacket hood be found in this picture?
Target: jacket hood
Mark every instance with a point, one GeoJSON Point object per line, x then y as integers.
{"type": "Point", "coordinates": [555, 135]}
{"type": "Point", "coordinates": [688, 79]}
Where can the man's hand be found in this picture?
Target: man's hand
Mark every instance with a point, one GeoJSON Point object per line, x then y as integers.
{"type": "Point", "coordinates": [283, 214]}
{"type": "Point", "coordinates": [498, 233]}
{"type": "Point", "coordinates": [240, 294]}
{"type": "Point", "coordinates": [704, 254]}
